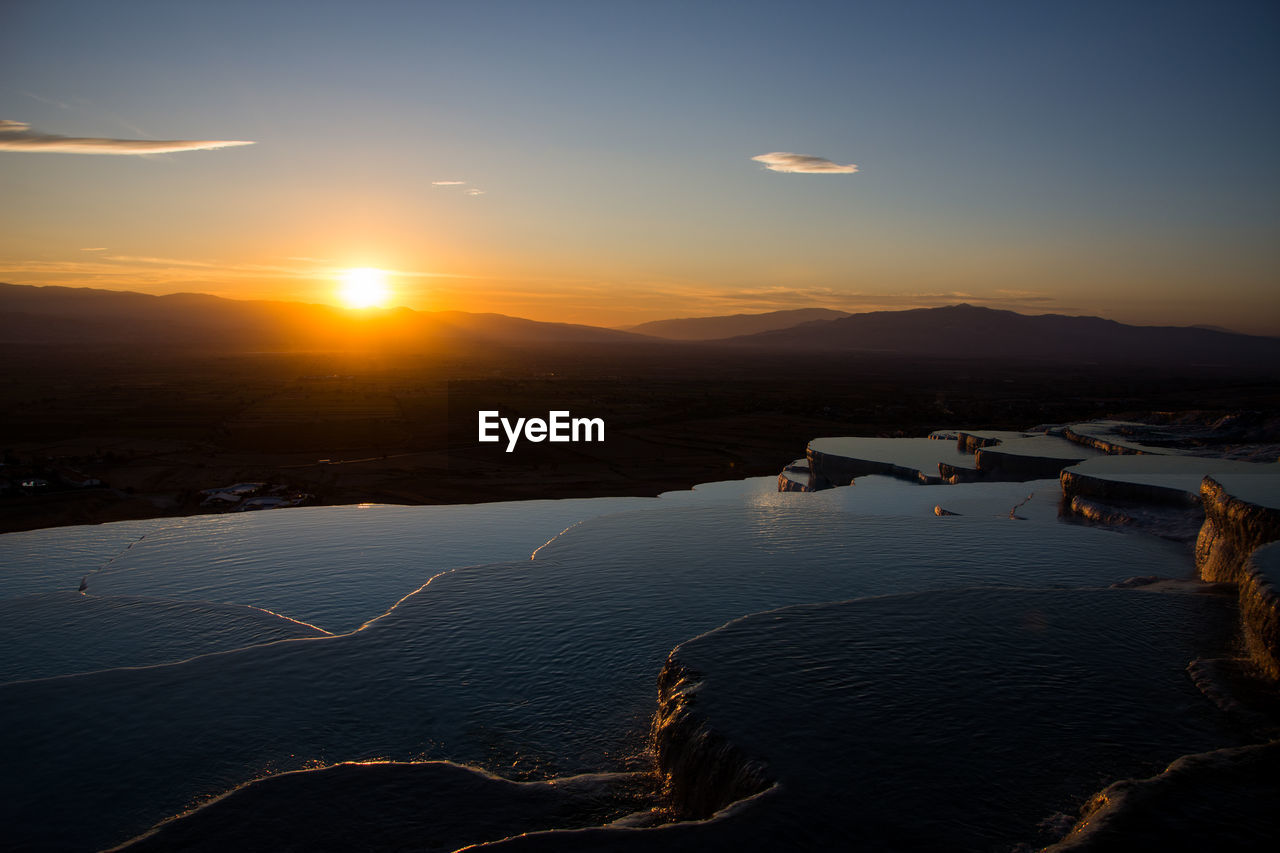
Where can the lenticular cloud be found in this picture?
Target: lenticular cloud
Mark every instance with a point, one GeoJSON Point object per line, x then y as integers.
{"type": "Point", "coordinates": [18, 136]}
{"type": "Point", "coordinates": [785, 161]}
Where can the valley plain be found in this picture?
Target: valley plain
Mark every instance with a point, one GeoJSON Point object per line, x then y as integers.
{"type": "Point", "coordinates": [158, 427]}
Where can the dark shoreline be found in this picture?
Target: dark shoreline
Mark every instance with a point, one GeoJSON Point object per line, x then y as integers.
{"type": "Point", "coordinates": [158, 428]}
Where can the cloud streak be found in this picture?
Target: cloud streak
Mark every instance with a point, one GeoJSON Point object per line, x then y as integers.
{"type": "Point", "coordinates": [158, 269]}
{"type": "Point", "coordinates": [785, 161]}
{"type": "Point", "coordinates": [471, 191]}
{"type": "Point", "coordinates": [18, 136]}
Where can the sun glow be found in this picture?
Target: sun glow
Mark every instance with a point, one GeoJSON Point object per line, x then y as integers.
{"type": "Point", "coordinates": [364, 287]}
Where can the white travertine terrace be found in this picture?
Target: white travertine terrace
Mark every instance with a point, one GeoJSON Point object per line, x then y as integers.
{"type": "Point", "coordinates": [1106, 477]}
{"type": "Point", "coordinates": [1258, 484]}
{"type": "Point", "coordinates": [1109, 435]}
{"type": "Point", "coordinates": [1044, 446]}
{"type": "Point", "coordinates": [1181, 473]}
{"type": "Point", "coordinates": [918, 454]}
{"type": "Point", "coordinates": [962, 456]}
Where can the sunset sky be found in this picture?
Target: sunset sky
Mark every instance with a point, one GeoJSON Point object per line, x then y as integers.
{"type": "Point", "coordinates": [615, 162]}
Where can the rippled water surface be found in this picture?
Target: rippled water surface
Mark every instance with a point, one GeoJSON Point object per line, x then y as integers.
{"type": "Point", "coordinates": [960, 719]}
{"type": "Point", "coordinates": [213, 650]}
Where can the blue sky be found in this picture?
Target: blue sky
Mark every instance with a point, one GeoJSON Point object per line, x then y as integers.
{"type": "Point", "coordinates": [1110, 159]}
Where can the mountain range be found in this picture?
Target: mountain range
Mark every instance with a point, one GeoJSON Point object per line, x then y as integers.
{"type": "Point", "coordinates": [968, 331]}
{"type": "Point", "coordinates": [64, 316]}
{"type": "Point", "coordinates": [87, 316]}
{"type": "Point", "coordinates": [734, 325]}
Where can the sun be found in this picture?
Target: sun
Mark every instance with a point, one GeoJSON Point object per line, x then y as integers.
{"type": "Point", "coordinates": [364, 287]}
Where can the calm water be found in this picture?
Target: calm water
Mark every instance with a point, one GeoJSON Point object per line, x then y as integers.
{"type": "Point", "coordinates": [211, 651]}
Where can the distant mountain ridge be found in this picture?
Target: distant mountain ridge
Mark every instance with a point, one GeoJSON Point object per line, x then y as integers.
{"type": "Point", "coordinates": [732, 325]}
{"type": "Point", "coordinates": [968, 331]}
{"type": "Point", "coordinates": [65, 316]}
{"type": "Point", "coordinates": [88, 316]}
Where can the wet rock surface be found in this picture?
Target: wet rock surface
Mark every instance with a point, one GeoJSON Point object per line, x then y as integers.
{"type": "Point", "coordinates": [1219, 800]}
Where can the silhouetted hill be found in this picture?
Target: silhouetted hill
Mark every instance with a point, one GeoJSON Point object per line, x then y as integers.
{"type": "Point", "coordinates": [66, 316]}
{"type": "Point", "coordinates": [87, 316]}
{"type": "Point", "coordinates": [967, 331]}
{"type": "Point", "coordinates": [714, 328]}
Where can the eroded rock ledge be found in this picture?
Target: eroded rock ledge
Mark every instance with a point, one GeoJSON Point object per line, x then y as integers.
{"type": "Point", "coordinates": [701, 771]}
{"type": "Point", "coordinates": [1079, 482]}
{"type": "Point", "coordinates": [1233, 547]}
{"type": "Point", "coordinates": [1260, 608]}
{"type": "Point", "coordinates": [830, 469]}
{"type": "Point", "coordinates": [1079, 436]}
{"type": "Point", "coordinates": [1232, 529]}
{"type": "Point", "coordinates": [1225, 798]}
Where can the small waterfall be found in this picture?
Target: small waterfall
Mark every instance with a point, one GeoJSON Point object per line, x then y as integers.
{"type": "Point", "coordinates": [702, 772]}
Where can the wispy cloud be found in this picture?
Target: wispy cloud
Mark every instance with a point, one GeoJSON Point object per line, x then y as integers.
{"type": "Point", "coordinates": [18, 136]}
{"type": "Point", "coordinates": [785, 161]}
{"type": "Point", "coordinates": [471, 191]}
{"type": "Point", "coordinates": [157, 271]}
{"type": "Point", "coordinates": [59, 104]}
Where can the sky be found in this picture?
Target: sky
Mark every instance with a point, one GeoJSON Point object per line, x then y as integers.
{"type": "Point", "coordinates": [617, 162]}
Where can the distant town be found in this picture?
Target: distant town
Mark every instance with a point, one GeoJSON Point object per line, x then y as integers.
{"type": "Point", "coordinates": [44, 479]}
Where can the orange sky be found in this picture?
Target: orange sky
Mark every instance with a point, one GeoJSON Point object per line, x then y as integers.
{"type": "Point", "coordinates": [597, 165]}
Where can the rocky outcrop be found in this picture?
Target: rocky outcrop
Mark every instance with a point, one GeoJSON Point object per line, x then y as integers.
{"type": "Point", "coordinates": [1232, 529]}
{"type": "Point", "coordinates": [701, 771]}
{"type": "Point", "coordinates": [1230, 548]}
{"type": "Point", "coordinates": [1221, 800]}
{"type": "Point", "coordinates": [1260, 609]}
